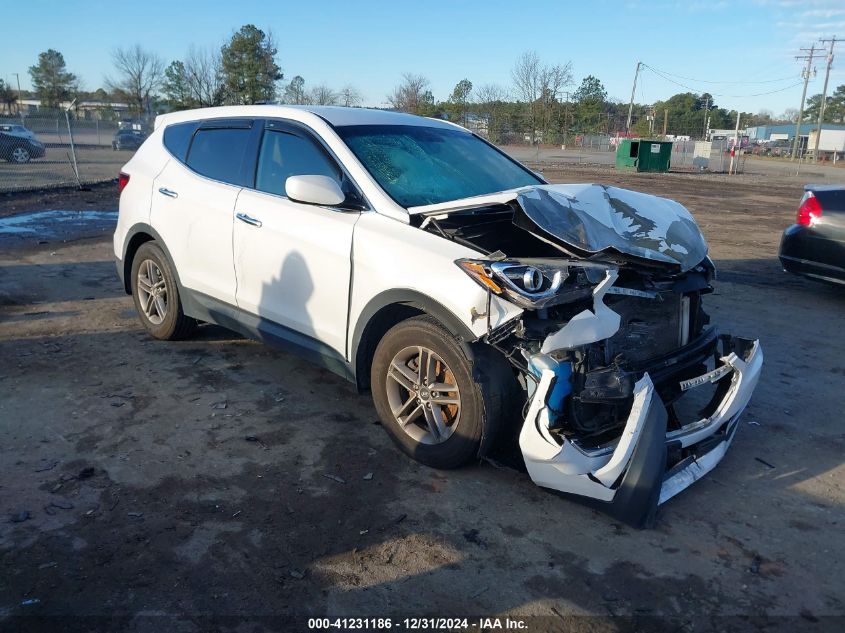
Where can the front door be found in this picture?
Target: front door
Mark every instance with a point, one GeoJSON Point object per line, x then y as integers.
{"type": "Point", "coordinates": [293, 260]}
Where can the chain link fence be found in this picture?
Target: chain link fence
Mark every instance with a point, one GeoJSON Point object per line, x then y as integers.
{"type": "Point", "coordinates": [600, 150]}
{"type": "Point", "coordinates": [47, 150]}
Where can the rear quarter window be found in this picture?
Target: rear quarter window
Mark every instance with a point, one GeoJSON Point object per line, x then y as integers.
{"type": "Point", "coordinates": [177, 138]}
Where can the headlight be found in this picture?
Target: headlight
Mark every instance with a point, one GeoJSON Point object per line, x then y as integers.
{"type": "Point", "coordinates": [534, 283]}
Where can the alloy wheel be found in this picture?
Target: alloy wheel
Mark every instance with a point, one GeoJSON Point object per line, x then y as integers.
{"type": "Point", "coordinates": [423, 395]}
{"type": "Point", "coordinates": [152, 291]}
{"type": "Point", "coordinates": [20, 155]}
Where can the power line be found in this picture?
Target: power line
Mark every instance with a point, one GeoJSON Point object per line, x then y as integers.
{"type": "Point", "coordinates": [705, 81]}
{"type": "Point", "coordinates": [714, 94]}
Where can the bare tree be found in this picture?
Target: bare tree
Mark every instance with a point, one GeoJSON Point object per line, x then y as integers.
{"type": "Point", "coordinates": [139, 74]}
{"type": "Point", "coordinates": [350, 96]}
{"type": "Point", "coordinates": [552, 81]}
{"type": "Point", "coordinates": [490, 93]}
{"type": "Point", "coordinates": [526, 76]}
{"type": "Point", "coordinates": [203, 70]}
{"type": "Point", "coordinates": [526, 80]}
{"type": "Point", "coordinates": [323, 95]}
{"type": "Point", "coordinates": [412, 95]}
{"type": "Point", "coordinates": [490, 102]}
{"type": "Point", "coordinates": [539, 87]}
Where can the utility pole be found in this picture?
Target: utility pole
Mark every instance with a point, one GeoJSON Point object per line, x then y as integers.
{"type": "Point", "coordinates": [706, 117]}
{"type": "Point", "coordinates": [18, 77]}
{"type": "Point", "coordinates": [665, 120]}
{"type": "Point", "coordinates": [806, 74]}
{"type": "Point", "coordinates": [824, 97]}
{"type": "Point", "coordinates": [566, 118]}
{"type": "Point", "coordinates": [631, 104]}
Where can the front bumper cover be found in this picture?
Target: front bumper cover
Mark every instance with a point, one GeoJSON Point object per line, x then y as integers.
{"type": "Point", "coordinates": [629, 479]}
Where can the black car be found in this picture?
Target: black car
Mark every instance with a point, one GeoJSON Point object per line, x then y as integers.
{"type": "Point", "coordinates": [19, 145]}
{"type": "Point", "coordinates": [815, 245]}
{"type": "Point", "coordinates": [781, 147]}
{"type": "Point", "coordinates": [127, 139]}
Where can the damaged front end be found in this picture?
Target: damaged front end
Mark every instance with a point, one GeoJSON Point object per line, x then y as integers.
{"type": "Point", "coordinates": [631, 394]}
{"type": "Point", "coordinates": [646, 447]}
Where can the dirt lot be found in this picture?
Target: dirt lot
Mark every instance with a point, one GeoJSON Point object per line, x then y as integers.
{"type": "Point", "coordinates": [215, 484]}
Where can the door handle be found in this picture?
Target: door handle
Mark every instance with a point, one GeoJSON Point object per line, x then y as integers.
{"type": "Point", "coordinates": [168, 192]}
{"type": "Point", "coordinates": [243, 217]}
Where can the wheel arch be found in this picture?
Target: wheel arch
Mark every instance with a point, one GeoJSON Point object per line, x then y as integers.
{"type": "Point", "coordinates": [139, 234]}
{"type": "Point", "coordinates": [387, 309]}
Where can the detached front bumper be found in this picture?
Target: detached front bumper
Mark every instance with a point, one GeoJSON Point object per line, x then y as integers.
{"type": "Point", "coordinates": [634, 475]}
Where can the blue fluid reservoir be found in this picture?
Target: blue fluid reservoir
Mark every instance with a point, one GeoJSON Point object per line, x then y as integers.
{"type": "Point", "coordinates": [562, 386]}
{"type": "Point", "coordinates": [563, 379]}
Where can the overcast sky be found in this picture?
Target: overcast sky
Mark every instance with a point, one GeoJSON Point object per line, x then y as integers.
{"type": "Point", "coordinates": [732, 49]}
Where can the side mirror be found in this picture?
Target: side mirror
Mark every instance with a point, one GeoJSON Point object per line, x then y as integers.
{"type": "Point", "coordinates": [320, 190]}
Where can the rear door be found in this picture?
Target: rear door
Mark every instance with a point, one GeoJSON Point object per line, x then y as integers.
{"type": "Point", "coordinates": [194, 200]}
{"type": "Point", "coordinates": [292, 260]}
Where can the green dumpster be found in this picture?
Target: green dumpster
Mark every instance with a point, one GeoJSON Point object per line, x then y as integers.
{"type": "Point", "coordinates": [635, 154]}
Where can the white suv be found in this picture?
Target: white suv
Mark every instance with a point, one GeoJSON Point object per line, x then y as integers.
{"type": "Point", "coordinates": [483, 308]}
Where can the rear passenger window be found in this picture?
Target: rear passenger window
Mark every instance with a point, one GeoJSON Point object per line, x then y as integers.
{"type": "Point", "coordinates": [177, 137]}
{"type": "Point", "coordinates": [284, 155]}
{"type": "Point", "coordinates": [219, 153]}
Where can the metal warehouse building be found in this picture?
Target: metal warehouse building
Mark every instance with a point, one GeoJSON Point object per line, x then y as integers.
{"type": "Point", "coordinates": [775, 132]}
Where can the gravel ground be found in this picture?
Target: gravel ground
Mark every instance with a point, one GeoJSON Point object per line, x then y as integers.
{"type": "Point", "coordinates": [216, 484]}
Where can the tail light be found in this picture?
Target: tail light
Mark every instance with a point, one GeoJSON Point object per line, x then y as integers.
{"type": "Point", "coordinates": [122, 181]}
{"type": "Point", "coordinates": [809, 211]}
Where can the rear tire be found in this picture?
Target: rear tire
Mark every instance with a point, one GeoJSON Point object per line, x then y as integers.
{"type": "Point", "coordinates": [156, 295]}
{"type": "Point", "coordinates": [440, 415]}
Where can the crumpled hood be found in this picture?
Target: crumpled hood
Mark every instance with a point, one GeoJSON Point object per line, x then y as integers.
{"type": "Point", "coordinates": [592, 218]}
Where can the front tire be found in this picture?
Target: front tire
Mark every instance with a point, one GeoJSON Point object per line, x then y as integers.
{"type": "Point", "coordinates": [20, 155]}
{"type": "Point", "coordinates": [426, 396]}
{"type": "Point", "coordinates": [156, 295]}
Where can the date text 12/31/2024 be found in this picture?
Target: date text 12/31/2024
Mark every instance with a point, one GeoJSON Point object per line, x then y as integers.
{"type": "Point", "coordinates": [418, 624]}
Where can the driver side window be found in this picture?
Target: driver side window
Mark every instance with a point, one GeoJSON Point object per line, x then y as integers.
{"type": "Point", "coordinates": [286, 154]}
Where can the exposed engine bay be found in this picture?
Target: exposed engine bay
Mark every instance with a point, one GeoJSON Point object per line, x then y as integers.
{"type": "Point", "coordinates": [613, 322]}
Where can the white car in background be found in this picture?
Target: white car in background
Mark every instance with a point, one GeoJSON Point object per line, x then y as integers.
{"type": "Point", "coordinates": [483, 308]}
